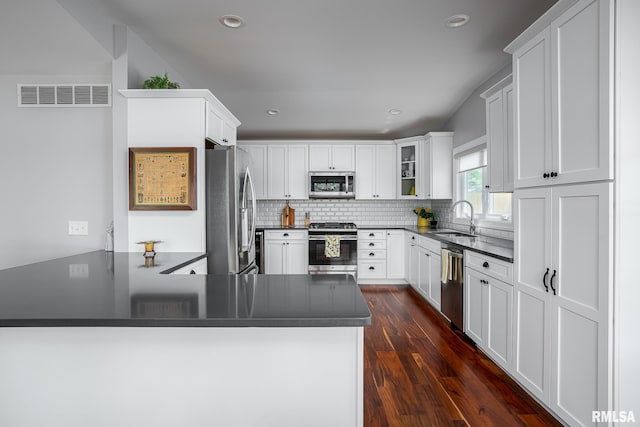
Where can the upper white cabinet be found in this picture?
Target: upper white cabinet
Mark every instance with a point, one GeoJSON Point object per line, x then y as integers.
{"type": "Point", "coordinates": [375, 172]}
{"type": "Point", "coordinates": [563, 276]}
{"type": "Point", "coordinates": [217, 128]}
{"type": "Point", "coordinates": [563, 99]}
{"type": "Point", "coordinates": [425, 166]}
{"type": "Point", "coordinates": [335, 157]}
{"type": "Point", "coordinates": [287, 173]}
{"type": "Point", "coordinates": [437, 166]}
{"type": "Point", "coordinates": [499, 104]}
{"type": "Point", "coordinates": [258, 153]}
{"type": "Point", "coordinates": [409, 168]}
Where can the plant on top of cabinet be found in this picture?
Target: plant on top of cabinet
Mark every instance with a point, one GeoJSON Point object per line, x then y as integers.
{"type": "Point", "coordinates": [160, 82]}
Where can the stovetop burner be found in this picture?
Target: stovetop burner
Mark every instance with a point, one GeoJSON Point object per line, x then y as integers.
{"type": "Point", "coordinates": [333, 226]}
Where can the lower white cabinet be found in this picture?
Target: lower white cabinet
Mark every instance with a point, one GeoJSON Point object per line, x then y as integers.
{"type": "Point", "coordinates": [196, 267]}
{"type": "Point", "coordinates": [424, 266]}
{"type": "Point", "coordinates": [286, 252]}
{"type": "Point", "coordinates": [488, 306]}
{"type": "Point", "coordinates": [380, 256]}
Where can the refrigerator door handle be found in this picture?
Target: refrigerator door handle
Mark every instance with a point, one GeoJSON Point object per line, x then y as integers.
{"type": "Point", "coordinates": [252, 236]}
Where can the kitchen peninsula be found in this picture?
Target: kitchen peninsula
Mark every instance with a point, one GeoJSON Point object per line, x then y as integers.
{"type": "Point", "coordinates": [101, 339]}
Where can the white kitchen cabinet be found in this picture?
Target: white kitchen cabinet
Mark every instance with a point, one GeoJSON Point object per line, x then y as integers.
{"type": "Point", "coordinates": [375, 172]}
{"type": "Point", "coordinates": [423, 267]}
{"type": "Point", "coordinates": [286, 252]}
{"type": "Point", "coordinates": [334, 157]}
{"type": "Point", "coordinates": [217, 128]}
{"type": "Point", "coordinates": [499, 112]}
{"type": "Point", "coordinates": [408, 171]}
{"type": "Point", "coordinates": [563, 99]}
{"type": "Point", "coordinates": [436, 168]}
{"type": "Point", "coordinates": [196, 267]}
{"type": "Point", "coordinates": [562, 254]}
{"type": "Point", "coordinates": [395, 254]}
{"type": "Point", "coordinates": [372, 256]}
{"type": "Point", "coordinates": [287, 171]}
{"type": "Point", "coordinates": [258, 156]}
{"type": "Point", "coordinates": [488, 305]}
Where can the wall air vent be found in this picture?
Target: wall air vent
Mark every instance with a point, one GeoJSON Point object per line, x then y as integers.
{"type": "Point", "coordinates": [81, 95]}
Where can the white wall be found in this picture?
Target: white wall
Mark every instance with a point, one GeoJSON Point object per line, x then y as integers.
{"type": "Point", "coordinates": [469, 121]}
{"type": "Point", "coordinates": [55, 166]}
{"type": "Point", "coordinates": [55, 163]}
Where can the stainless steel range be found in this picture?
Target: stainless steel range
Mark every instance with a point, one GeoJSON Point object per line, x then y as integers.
{"type": "Point", "coordinates": [333, 248]}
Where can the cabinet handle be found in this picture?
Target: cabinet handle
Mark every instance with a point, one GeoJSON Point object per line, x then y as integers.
{"type": "Point", "coordinates": [285, 235]}
{"type": "Point", "coordinates": [192, 272]}
{"type": "Point", "coordinates": [413, 237]}
{"type": "Point", "coordinates": [554, 174]}
{"type": "Point", "coordinates": [486, 186]}
{"type": "Point", "coordinates": [485, 264]}
{"type": "Point", "coordinates": [551, 282]}
{"type": "Point", "coordinates": [372, 268]}
{"type": "Point", "coordinates": [545, 175]}
{"type": "Point", "coordinates": [372, 254]}
{"type": "Point", "coordinates": [428, 254]}
{"type": "Point", "coordinates": [372, 235]}
{"type": "Point", "coordinates": [544, 281]}
{"type": "Point", "coordinates": [372, 244]}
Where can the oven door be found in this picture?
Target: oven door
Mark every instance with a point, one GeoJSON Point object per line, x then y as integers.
{"type": "Point", "coordinates": [347, 261]}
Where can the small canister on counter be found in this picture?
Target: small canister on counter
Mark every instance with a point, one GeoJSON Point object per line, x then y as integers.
{"type": "Point", "coordinates": [307, 219]}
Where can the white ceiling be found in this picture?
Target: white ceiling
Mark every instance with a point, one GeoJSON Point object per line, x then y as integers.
{"type": "Point", "coordinates": [333, 68]}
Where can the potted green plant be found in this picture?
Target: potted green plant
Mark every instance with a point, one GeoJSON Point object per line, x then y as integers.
{"type": "Point", "coordinates": [424, 216]}
{"type": "Point", "coordinates": [160, 82]}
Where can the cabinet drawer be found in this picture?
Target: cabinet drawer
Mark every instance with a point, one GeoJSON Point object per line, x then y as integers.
{"type": "Point", "coordinates": [368, 245]}
{"type": "Point", "coordinates": [285, 234]}
{"type": "Point", "coordinates": [430, 244]}
{"type": "Point", "coordinates": [372, 234]}
{"type": "Point", "coordinates": [490, 266]}
{"type": "Point", "coordinates": [372, 269]}
{"type": "Point", "coordinates": [375, 254]}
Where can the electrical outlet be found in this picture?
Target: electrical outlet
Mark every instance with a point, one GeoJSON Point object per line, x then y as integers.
{"type": "Point", "coordinates": [78, 228]}
{"type": "Point", "coordinates": [78, 270]}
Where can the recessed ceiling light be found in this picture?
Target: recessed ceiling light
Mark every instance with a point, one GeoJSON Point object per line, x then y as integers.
{"type": "Point", "coordinates": [231, 21]}
{"type": "Point", "coordinates": [395, 111]}
{"type": "Point", "coordinates": [273, 111]}
{"type": "Point", "coordinates": [456, 21]}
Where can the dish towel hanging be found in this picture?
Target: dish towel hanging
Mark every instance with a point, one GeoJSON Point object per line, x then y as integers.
{"type": "Point", "coordinates": [446, 268]}
{"type": "Point", "coordinates": [332, 246]}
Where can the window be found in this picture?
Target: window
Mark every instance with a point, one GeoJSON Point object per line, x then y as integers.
{"type": "Point", "coordinates": [471, 176]}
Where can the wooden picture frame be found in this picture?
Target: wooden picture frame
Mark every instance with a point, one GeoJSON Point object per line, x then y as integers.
{"type": "Point", "coordinates": [162, 178]}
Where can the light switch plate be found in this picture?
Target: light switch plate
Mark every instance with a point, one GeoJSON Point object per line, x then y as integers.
{"type": "Point", "coordinates": [78, 228]}
{"type": "Point", "coordinates": [78, 271]}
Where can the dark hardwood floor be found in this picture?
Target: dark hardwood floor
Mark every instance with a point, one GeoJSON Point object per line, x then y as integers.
{"type": "Point", "coordinates": [419, 372]}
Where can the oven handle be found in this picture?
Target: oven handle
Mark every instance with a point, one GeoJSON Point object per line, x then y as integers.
{"type": "Point", "coordinates": [341, 237]}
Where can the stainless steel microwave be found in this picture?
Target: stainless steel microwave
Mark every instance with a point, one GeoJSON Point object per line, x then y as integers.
{"type": "Point", "coordinates": [332, 185]}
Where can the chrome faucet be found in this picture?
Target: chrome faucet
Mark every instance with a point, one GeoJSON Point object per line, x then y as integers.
{"type": "Point", "coordinates": [472, 226]}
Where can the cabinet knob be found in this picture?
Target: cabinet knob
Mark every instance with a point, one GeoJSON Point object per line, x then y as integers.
{"type": "Point", "coordinates": [428, 254]}
{"type": "Point", "coordinates": [485, 264]}
{"type": "Point", "coordinates": [545, 175]}
{"type": "Point", "coordinates": [554, 174]}
{"type": "Point", "coordinates": [486, 186]}
{"type": "Point", "coordinates": [285, 235]}
{"type": "Point", "coordinates": [413, 237]}
{"type": "Point", "coordinates": [192, 272]}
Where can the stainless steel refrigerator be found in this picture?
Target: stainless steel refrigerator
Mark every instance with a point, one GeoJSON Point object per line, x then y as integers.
{"type": "Point", "coordinates": [231, 211]}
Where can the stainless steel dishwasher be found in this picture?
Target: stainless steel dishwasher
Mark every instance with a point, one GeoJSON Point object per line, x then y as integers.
{"type": "Point", "coordinates": [452, 283]}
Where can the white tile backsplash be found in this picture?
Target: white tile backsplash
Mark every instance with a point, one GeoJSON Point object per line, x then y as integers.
{"type": "Point", "coordinates": [362, 212]}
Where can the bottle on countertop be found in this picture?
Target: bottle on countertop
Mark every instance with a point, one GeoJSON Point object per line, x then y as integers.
{"type": "Point", "coordinates": [307, 219]}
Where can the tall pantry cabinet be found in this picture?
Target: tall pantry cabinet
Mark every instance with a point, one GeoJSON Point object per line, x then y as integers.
{"type": "Point", "coordinates": [563, 247]}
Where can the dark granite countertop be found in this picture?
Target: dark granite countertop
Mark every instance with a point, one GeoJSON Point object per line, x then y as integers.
{"type": "Point", "coordinates": [116, 289]}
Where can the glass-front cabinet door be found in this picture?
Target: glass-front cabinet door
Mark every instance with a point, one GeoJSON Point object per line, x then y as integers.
{"type": "Point", "coordinates": [409, 169]}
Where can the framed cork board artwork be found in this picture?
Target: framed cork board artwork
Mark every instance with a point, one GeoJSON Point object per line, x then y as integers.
{"type": "Point", "coordinates": [162, 179]}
